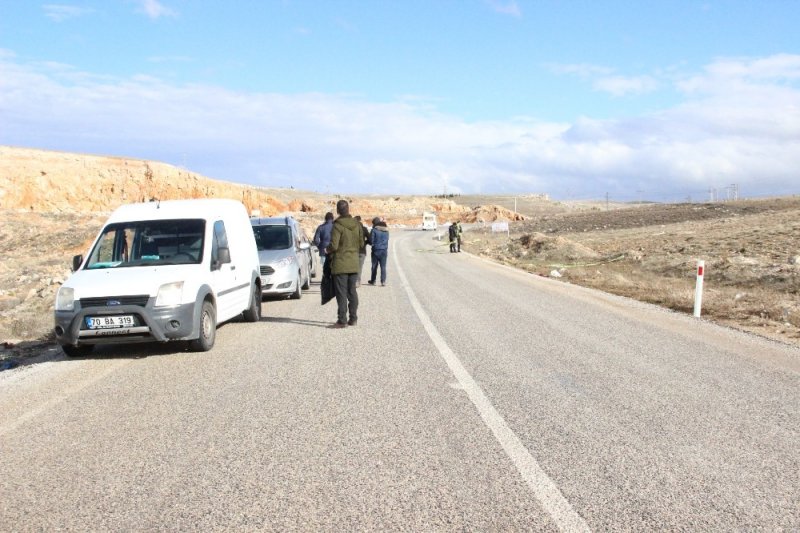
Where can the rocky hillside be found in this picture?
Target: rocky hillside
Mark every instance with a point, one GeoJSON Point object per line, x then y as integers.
{"type": "Point", "coordinates": [41, 181]}
{"type": "Point", "coordinates": [46, 181]}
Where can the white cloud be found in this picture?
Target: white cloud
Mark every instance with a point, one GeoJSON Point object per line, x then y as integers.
{"type": "Point", "coordinates": [739, 123]}
{"type": "Point", "coordinates": [773, 68]}
{"type": "Point", "coordinates": [155, 9]}
{"type": "Point", "coordinates": [62, 12]}
{"type": "Point", "coordinates": [605, 79]}
{"type": "Point", "coordinates": [622, 86]}
{"type": "Point", "coordinates": [764, 74]}
{"type": "Point", "coordinates": [506, 7]}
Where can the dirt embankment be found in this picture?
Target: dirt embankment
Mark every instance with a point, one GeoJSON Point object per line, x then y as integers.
{"type": "Point", "coordinates": [650, 253]}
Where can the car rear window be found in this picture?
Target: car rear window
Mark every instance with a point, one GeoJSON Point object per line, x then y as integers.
{"type": "Point", "coordinates": [273, 237]}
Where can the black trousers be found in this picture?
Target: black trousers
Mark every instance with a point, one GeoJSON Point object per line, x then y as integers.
{"type": "Point", "coordinates": [346, 296]}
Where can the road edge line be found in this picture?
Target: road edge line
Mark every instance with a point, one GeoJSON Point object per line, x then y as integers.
{"type": "Point", "coordinates": [544, 489]}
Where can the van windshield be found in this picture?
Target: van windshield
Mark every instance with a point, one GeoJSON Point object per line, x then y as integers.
{"type": "Point", "coordinates": [152, 242]}
{"type": "Point", "coordinates": [273, 237]}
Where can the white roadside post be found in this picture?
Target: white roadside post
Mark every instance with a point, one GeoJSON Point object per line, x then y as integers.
{"type": "Point", "coordinates": [698, 289]}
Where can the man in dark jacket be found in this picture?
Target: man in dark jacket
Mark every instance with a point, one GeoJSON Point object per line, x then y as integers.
{"type": "Point", "coordinates": [346, 239]}
{"type": "Point", "coordinates": [322, 237]}
{"type": "Point", "coordinates": [379, 240]}
{"type": "Point", "coordinates": [452, 233]}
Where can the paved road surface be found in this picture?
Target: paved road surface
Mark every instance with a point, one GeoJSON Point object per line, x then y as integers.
{"type": "Point", "coordinates": [469, 397]}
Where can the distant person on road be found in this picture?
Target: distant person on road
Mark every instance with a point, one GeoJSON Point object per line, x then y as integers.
{"type": "Point", "coordinates": [362, 252]}
{"type": "Point", "coordinates": [379, 240]}
{"type": "Point", "coordinates": [452, 233]}
{"type": "Point", "coordinates": [346, 238]}
{"type": "Point", "coordinates": [458, 235]}
{"type": "Point", "coordinates": [322, 237]}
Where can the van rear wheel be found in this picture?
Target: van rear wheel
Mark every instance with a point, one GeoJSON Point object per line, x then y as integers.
{"type": "Point", "coordinates": [208, 329]}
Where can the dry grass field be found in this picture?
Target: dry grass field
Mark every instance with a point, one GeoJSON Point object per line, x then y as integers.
{"type": "Point", "coordinates": [649, 252]}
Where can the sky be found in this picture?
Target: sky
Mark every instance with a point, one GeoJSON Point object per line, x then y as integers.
{"type": "Point", "coordinates": [658, 100]}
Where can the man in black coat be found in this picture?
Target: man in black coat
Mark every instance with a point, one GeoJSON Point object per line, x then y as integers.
{"type": "Point", "coordinates": [453, 234]}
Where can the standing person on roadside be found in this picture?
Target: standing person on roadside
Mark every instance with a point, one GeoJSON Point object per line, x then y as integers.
{"type": "Point", "coordinates": [322, 237]}
{"type": "Point", "coordinates": [379, 239]}
{"type": "Point", "coordinates": [362, 252]}
{"type": "Point", "coordinates": [346, 237]}
{"type": "Point", "coordinates": [452, 233]}
{"type": "Point", "coordinates": [458, 235]}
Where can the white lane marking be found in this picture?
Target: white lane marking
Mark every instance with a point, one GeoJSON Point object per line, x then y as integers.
{"type": "Point", "coordinates": [544, 489]}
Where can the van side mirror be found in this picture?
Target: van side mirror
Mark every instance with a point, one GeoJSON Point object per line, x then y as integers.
{"type": "Point", "coordinates": [223, 256]}
{"type": "Point", "coordinates": [304, 246]}
{"type": "Point", "coordinates": [76, 262]}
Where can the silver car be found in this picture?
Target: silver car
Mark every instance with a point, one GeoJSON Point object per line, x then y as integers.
{"type": "Point", "coordinates": [285, 255]}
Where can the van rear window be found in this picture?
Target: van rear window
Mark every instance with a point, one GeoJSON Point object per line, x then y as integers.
{"type": "Point", "coordinates": [151, 242]}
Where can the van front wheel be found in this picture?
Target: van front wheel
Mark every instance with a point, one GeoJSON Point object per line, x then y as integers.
{"type": "Point", "coordinates": [253, 313]}
{"type": "Point", "coordinates": [77, 351]}
{"type": "Point", "coordinates": [208, 329]}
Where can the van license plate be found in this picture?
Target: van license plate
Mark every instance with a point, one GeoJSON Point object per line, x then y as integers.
{"type": "Point", "coordinates": [104, 322]}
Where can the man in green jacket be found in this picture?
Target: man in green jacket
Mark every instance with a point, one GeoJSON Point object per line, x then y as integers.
{"type": "Point", "coordinates": [346, 239]}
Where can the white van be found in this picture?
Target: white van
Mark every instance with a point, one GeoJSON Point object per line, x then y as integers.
{"type": "Point", "coordinates": [161, 271]}
{"type": "Point", "coordinates": [429, 221]}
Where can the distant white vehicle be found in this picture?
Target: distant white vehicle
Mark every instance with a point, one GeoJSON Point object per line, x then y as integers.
{"type": "Point", "coordinates": [429, 221]}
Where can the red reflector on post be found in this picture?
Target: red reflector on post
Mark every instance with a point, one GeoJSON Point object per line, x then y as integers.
{"type": "Point", "coordinates": [700, 271]}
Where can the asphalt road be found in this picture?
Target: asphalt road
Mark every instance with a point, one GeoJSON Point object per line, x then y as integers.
{"type": "Point", "coordinates": [469, 397]}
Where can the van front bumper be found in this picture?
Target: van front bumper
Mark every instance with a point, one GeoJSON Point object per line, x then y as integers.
{"type": "Point", "coordinates": [151, 323]}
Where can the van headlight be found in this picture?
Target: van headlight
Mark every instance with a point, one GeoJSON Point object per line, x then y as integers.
{"type": "Point", "coordinates": [170, 294]}
{"type": "Point", "coordinates": [65, 299]}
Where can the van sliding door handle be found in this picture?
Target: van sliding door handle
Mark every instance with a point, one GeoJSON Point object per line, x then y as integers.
{"type": "Point", "coordinates": [233, 267]}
